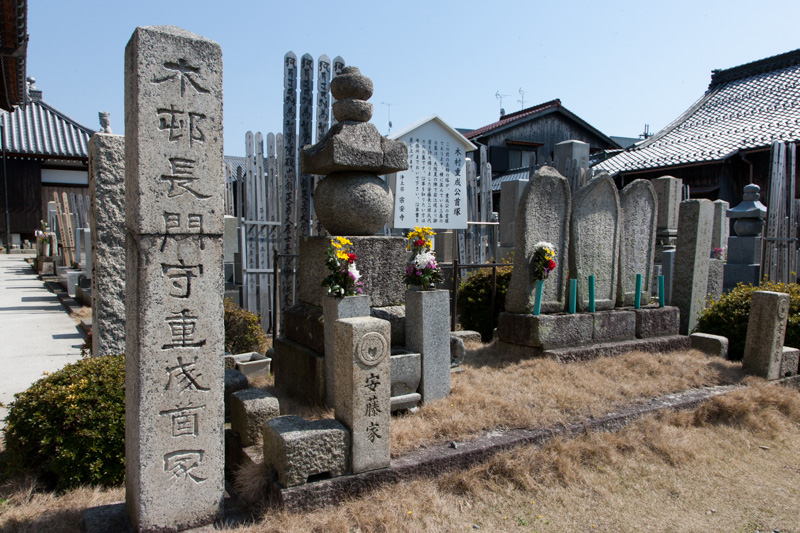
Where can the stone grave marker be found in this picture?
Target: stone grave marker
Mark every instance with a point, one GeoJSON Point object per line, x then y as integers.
{"type": "Point", "coordinates": [543, 215]}
{"type": "Point", "coordinates": [691, 261]}
{"type": "Point", "coordinates": [594, 242]}
{"type": "Point", "coordinates": [174, 192]}
{"type": "Point", "coordinates": [362, 395]}
{"type": "Point", "coordinates": [638, 239]}
{"type": "Point", "coordinates": [766, 329]}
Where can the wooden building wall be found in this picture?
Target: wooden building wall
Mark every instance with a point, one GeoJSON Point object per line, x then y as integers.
{"type": "Point", "coordinates": [23, 177]}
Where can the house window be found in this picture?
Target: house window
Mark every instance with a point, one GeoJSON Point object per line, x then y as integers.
{"type": "Point", "coordinates": [519, 158]}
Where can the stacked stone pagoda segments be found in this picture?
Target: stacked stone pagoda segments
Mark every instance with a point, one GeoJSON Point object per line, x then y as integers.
{"type": "Point", "coordinates": [637, 239]}
{"type": "Point", "coordinates": [594, 242]}
{"type": "Point", "coordinates": [543, 215]}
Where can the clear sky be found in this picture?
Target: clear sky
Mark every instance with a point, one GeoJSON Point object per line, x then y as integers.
{"type": "Point", "coordinates": [617, 65]}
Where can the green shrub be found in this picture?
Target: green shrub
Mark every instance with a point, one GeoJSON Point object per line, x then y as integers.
{"type": "Point", "coordinates": [243, 331]}
{"type": "Point", "coordinates": [70, 425]}
{"type": "Point", "coordinates": [475, 300]}
{"type": "Point", "coordinates": [729, 315]}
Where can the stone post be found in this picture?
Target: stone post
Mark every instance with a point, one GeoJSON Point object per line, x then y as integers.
{"type": "Point", "coordinates": [766, 329]}
{"type": "Point", "coordinates": [107, 219]}
{"type": "Point", "coordinates": [362, 395]}
{"type": "Point", "coordinates": [721, 231]}
{"type": "Point", "coordinates": [174, 192]}
{"type": "Point", "coordinates": [668, 269]}
{"type": "Point", "coordinates": [691, 260]}
{"type": "Point", "coordinates": [334, 309]}
{"type": "Point", "coordinates": [668, 191]}
{"type": "Point", "coordinates": [428, 333]}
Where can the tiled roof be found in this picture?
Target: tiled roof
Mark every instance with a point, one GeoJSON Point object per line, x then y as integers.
{"type": "Point", "coordinates": [744, 108]}
{"type": "Point", "coordinates": [517, 174]}
{"type": "Point", "coordinates": [13, 52]}
{"type": "Point", "coordinates": [40, 129]}
{"type": "Point", "coordinates": [513, 117]}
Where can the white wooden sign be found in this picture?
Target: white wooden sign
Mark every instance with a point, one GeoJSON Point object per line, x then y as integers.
{"type": "Point", "coordinates": [433, 191]}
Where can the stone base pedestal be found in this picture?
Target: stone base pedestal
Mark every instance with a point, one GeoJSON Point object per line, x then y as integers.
{"type": "Point", "coordinates": [735, 274]}
{"type": "Point", "coordinates": [545, 331]}
{"type": "Point", "coordinates": [744, 250]}
{"type": "Point", "coordinates": [656, 321]}
{"type": "Point", "coordinates": [378, 261]}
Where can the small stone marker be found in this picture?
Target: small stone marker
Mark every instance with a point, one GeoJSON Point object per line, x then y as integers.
{"type": "Point", "coordinates": [766, 330]}
{"type": "Point", "coordinates": [174, 192]}
{"type": "Point", "coordinates": [334, 309]}
{"type": "Point", "coordinates": [362, 394]}
{"type": "Point", "coordinates": [428, 333]}
{"type": "Point", "coordinates": [543, 215]}
{"type": "Point", "coordinates": [107, 192]}
{"type": "Point", "coordinates": [250, 409]}
{"type": "Point", "coordinates": [638, 239]}
{"type": "Point", "coordinates": [594, 241]}
{"type": "Point", "coordinates": [691, 261]}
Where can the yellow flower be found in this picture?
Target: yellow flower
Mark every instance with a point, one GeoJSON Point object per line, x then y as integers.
{"type": "Point", "coordinates": [344, 240]}
{"type": "Point", "coordinates": [341, 255]}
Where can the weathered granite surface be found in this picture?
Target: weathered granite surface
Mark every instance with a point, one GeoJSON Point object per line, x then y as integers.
{"type": "Point", "coordinates": [333, 309]}
{"type": "Point", "coordinates": [594, 242]}
{"type": "Point", "coordinates": [766, 329]}
{"type": "Point", "coordinates": [543, 215]}
{"type": "Point", "coordinates": [363, 389]}
{"type": "Point", "coordinates": [250, 409]}
{"type": "Point", "coordinates": [711, 345]}
{"type": "Point", "coordinates": [691, 261]}
{"type": "Point", "coordinates": [107, 193]}
{"type": "Point", "coordinates": [637, 240]}
{"type": "Point", "coordinates": [298, 449]}
{"type": "Point", "coordinates": [428, 333]}
{"type": "Point", "coordinates": [545, 331]}
{"type": "Point", "coordinates": [656, 321]}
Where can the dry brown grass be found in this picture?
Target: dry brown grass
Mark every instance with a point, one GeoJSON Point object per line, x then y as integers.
{"type": "Point", "coordinates": [497, 392]}
{"type": "Point", "coordinates": [81, 314]}
{"type": "Point", "coordinates": [660, 474]}
{"type": "Point", "coordinates": [731, 465]}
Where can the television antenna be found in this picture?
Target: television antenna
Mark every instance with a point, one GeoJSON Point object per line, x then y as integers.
{"type": "Point", "coordinates": [500, 97]}
{"type": "Point", "coordinates": [389, 105]}
{"type": "Point", "coordinates": [521, 98]}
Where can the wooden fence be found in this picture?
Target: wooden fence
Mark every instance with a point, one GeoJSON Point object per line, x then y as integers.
{"type": "Point", "coordinates": [780, 257]}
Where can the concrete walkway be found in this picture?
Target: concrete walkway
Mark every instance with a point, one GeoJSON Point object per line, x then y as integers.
{"type": "Point", "coordinates": [37, 335]}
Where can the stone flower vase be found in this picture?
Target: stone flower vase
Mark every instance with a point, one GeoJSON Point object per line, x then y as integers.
{"type": "Point", "coordinates": [332, 310]}
{"type": "Point", "coordinates": [428, 333]}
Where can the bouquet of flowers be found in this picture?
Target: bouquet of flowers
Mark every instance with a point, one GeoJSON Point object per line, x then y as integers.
{"type": "Point", "coordinates": [718, 253]}
{"type": "Point", "coordinates": [423, 269]}
{"type": "Point", "coordinates": [543, 263]}
{"type": "Point", "coordinates": [344, 277]}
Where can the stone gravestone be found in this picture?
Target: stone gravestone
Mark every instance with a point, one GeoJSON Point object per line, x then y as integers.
{"type": "Point", "coordinates": [691, 261]}
{"type": "Point", "coordinates": [510, 195]}
{"type": "Point", "coordinates": [362, 395]}
{"type": "Point", "coordinates": [766, 329]}
{"type": "Point", "coordinates": [543, 215]}
{"type": "Point", "coordinates": [174, 192]}
{"type": "Point", "coordinates": [668, 191]}
{"type": "Point", "coordinates": [594, 242]}
{"type": "Point", "coordinates": [721, 229]}
{"type": "Point", "coordinates": [638, 239]}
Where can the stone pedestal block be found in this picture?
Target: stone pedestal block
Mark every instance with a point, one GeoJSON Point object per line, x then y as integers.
{"type": "Point", "coordinates": [711, 345]}
{"type": "Point", "coordinates": [304, 324]}
{"type": "Point", "coordinates": [396, 315]}
{"type": "Point", "coordinates": [299, 371]}
{"type": "Point", "coordinates": [656, 322]}
{"type": "Point", "coordinates": [334, 309]}
{"type": "Point", "coordinates": [234, 382]}
{"type": "Point", "coordinates": [250, 410]}
{"type": "Point", "coordinates": [363, 389]}
{"type": "Point", "coordinates": [378, 260]}
{"type": "Point", "coordinates": [428, 333]}
{"type": "Point", "coordinates": [734, 274]}
{"type": "Point", "coordinates": [298, 449]}
{"type": "Point", "coordinates": [766, 330]}
{"type": "Point", "coordinates": [744, 250]}
{"type": "Point", "coordinates": [789, 362]}
{"type": "Point", "coordinates": [617, 325]}
{"type": "Point", "coordinates": [406, 372]}
{"type": "Point", "coordinates": [546, 331]}
{"type": "Point", "coordinates": [691, 261]}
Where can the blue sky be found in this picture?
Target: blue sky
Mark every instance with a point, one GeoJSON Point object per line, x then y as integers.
{"type": "Point", "coordinates": [617, 65]}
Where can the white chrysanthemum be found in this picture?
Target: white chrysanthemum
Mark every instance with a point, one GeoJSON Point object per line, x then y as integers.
{"type": "Point", "coordinates": [422, 259]}
{"type": "Point", "coordinates": [356, 275]}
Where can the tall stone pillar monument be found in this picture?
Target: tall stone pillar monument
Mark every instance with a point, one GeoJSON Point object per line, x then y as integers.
{"type": "Point", "coordinates": [174, 317]}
